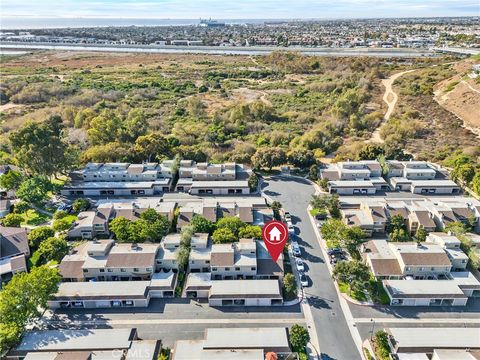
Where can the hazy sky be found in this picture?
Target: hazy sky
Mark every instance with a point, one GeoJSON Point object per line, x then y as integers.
{"type": "Point", "coordinates": [192, 9]}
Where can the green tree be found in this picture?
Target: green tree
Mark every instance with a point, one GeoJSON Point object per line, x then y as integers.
{"type": "Point", "coordinates": [80, 205]}
{"type": "Point", "coordinates": [41, 148]}
{"type": "Point", "coordinates": [150, 147]}
{"type": "Point", "coordinates": [21, 207]}
{"type": "Point", "coordinates": [250, 231]}
{"type": "Point", "coordinates": [63, 224]}
{"type": "Point", "coordinates": [37, 235]}
{"type": "Point", "coordinates": [398, 235]}
{"type": "Point", "coordinates": [59, 214]}
{"type": "Point", "coordinates": [333, 231]}
{"type": "Point", "coordinates": [157, 225]}
{"type": "Point", "coordinates": [104, 128]}
{"type": "Point", "coordinates": [52, 249]}
{"type": "Point", "coordinates": [328, 202]}
{"type": "Point", "coordinates": [456, 228]}
{"type": "Point", "coordinates": [182, 256]}
{"type": "Point", "coordinates": [223, 235]}
{"type": "Point", "coordinates": [476, 182]}
{"type": "Point", "coordinates": [11, 180]}
{"type": "Point", "coordinates": [301, 158]}
{"type": "Point", "coordinates": [253, 182]}
{"type": "Point", "coordinates": [267, 158]}
{"type": "Point", "coordinates": [421, 234]}
{"type": "Point", "coordinates": [354, 273]}
{"type": "Point", "coordinates": [202, 225]}
{"type": "Point", "coordinates": [120, 227]}
{"type": "Point", "coordinates": [12, 220]}
{"type": "Point", "coordinates": [34, 190]}
{"type": "Point", "coordinates": [133, 126]}
{"type": "Point", "coordinates": [290, 284]}
{"type": "Point", "coordinates": [313, 172]}
{"type": "Point", "coordinates": [381, 346]}
{"type": "Point", "coordinates": [186, 235]}
{"type": "Point", "coordinates": [22, 301]}
{"type": "Point", "coordinates": [299, 338]}
{"type": "Point", "coordinates": [353, 236]}
{"type": "Point", "coordinates": [232, 223]}
{"type": "Point", "coordinates": [276, 206]}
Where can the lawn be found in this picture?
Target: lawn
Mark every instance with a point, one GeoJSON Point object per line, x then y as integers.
{"type": "Point", "coordinates": [356, 295]}
{"type": "Point", "coordinates": [34, 218]}
{"type": "Point", "coordinates": [378, 293]}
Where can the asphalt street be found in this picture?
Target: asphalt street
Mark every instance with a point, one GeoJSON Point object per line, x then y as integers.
{"type": "Point", "coordinates": [174, 319]}
{"type": "Point", "coordinates": [333, 333]}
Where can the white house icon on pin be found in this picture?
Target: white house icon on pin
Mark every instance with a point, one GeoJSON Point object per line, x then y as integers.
{"type": "Point", "coordinates": [275, 234]}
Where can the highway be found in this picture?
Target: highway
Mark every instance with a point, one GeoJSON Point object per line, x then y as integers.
{"type": "Point", "coordinates": [334, 336]}
{"type": "Point", "coordinates": [220, 50]}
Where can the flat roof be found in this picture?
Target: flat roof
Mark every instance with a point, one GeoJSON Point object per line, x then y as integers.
{"type": "Point", "coordinates": [246, 338]}
{"type": "Point", "coordinates": [117, 184]}
{"type": "Point", "coordinates": [91, 339]}
{"type": "Point", "coordinates": [219, 184]}
{"type": "Point", "coordinates": [437, 183]}
{"type": "Point", "coordinates": [142, 350]}
{"type": "Point", "coordinates": [412, 356]}
{"type": "Point", "coordinates": [437, 338]}
{"type": "Point", "coordinates": [95, 289]}
{"type": "Point", "coordinates": [351, 183]}
{"type": "Point", "coordinates": [245, 288]}
{"type": "Point", "coordinates": [423, 288]}
{"type": "Point", "coordinates": [450, 354]}
{"type": "Point", "coordinates": [193, 349]}
{"type": "Point", "coordinates": [198, 281]}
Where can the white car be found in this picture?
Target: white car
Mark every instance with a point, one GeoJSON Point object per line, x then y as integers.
{"type": "Point", "coordinates": [300, 265]}
{"type": "Point", "coordinates": [303, 280]}
{"type": "Point", "coordinates": [296, 251]}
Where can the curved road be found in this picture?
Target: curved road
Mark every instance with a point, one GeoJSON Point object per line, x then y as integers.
{"type": "Point", "coordinates": [334, 336]}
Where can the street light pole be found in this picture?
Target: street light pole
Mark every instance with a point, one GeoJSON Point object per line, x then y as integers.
{"type": "Point", "coordinates": [373, 328]}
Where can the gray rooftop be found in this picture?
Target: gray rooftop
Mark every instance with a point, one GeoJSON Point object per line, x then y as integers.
{"type": "Point", "coordinates": [92, 339]}
{"type": "Point", "coordinates": [245, 338]}
{"type": "Point", "coordinates": [437, 338]}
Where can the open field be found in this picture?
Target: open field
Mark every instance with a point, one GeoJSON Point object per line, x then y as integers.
{"type": "Point", "coordinates": [221, 107]}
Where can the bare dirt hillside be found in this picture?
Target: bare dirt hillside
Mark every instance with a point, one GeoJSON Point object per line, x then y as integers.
{"type": "Point", "coordinates": [461, 96]}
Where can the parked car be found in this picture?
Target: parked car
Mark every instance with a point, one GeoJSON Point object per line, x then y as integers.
{"type": "Point", "coordinates": [65, 207]}
{"type": "Point", "coordinates": [303, 280]}
{"type": "Point", "coordinates": [287, 216]}
{"type": "Point", "coordinates": [321, 216]}
{"type": "Point", "coordinates": [334, 251]}
{"type": "Point", "coordinates": [300, 265]}
{"type": "Point", "coordinates": [296, 250]}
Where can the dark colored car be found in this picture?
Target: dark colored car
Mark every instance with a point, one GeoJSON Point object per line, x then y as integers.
{"type": "Point", "coordinates": [334, 251]}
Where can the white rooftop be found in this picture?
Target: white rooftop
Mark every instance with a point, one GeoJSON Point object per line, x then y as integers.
{"type": "Point", "coordinates": [437, 338]}
{"type": "Point", "coordinates": [245, 338]}
{"type": "Point", "coordinates": [91, 339]}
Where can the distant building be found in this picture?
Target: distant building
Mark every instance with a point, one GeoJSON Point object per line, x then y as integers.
{"type": "Point", "coordinates": [354, 178]}
{"type": "Point", "coordinates": [213, 179]}
{"type": "Point", "coordinates": [98, 179]}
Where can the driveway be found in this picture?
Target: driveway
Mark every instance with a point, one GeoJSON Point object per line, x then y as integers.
{"type": "Point", "coordinates": [334, 336]}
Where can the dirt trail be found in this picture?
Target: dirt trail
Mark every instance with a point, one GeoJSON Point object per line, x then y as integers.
{"type": "Point", "coordinates": [390, 97]}
{"type": "Point", "coordinates": [8, 106]}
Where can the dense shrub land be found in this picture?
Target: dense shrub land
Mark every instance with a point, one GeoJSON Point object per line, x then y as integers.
{"type": "Point", "coordinates": [264, 111]}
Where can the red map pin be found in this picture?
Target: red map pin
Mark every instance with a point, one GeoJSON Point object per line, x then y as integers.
{"type": "Point", "coordinates": [275, 235]}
